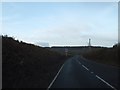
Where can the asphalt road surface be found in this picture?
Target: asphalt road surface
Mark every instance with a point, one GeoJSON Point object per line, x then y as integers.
{"type": "Point", "coordinates": [78, 72]}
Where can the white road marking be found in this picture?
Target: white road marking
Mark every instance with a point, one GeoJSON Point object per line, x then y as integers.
{"type": "Point", "coordinates": [55, 77]}
{"type": "Point", "coordinates": [105, 82]}
{"type": "Point", "coordinates": [98, 77]}
{"type": "Point", "coordinates": [92, 72]}
{"type": "Point", "coordinates": [78, 61]}
{"type": "Point", "coordinates": [85, 67]}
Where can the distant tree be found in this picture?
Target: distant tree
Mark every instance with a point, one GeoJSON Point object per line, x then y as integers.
{"type": "Point", "coordinates": [5, 35]}
{"type": "Point", "coordinates": [116, 45]}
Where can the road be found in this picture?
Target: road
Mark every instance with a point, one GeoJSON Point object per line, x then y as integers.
{"type": "Point", "coordinates": [78, 72]}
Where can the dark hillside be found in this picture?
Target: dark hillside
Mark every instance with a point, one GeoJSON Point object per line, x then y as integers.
{"type": "Point", "coordinates": [28, 66]}
{"type": "Point", "coordinates": [105, 55]}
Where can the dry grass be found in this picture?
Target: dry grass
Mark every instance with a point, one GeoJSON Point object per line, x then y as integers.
{"type": "Point", "coordinates": [104, 55]}
{"type": "Point", "coordinates": [28, 66]}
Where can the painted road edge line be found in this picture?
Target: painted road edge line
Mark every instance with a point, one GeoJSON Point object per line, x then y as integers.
{"type": "Point", "coordinates": [105, 82]}
{"type": "Point", "coordinates": [85, 67]}
{"type": "Point", "coordinates": [55, 77]}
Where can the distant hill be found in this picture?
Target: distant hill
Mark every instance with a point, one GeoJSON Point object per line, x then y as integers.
{"type": "Point", "coordinates": [73, 50]}
{"type": "Point", "coordinates": [28, 66]}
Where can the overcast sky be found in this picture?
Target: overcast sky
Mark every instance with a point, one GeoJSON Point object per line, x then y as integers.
{"type": "Point", "coordinates": [62, 23]}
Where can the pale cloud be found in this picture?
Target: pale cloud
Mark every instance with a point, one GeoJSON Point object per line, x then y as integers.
{"type": "Point", "coordinates": [65, 26]}
{"type": "Point", "coordinates": [60, 0]}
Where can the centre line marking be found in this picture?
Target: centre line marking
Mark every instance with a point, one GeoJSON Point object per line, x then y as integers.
{"type": "Point", "coordinates": [91, 72]}
{"type": "Point", "coordinates": [105, 82]}
{"type": "Point", "coordinates": [78, 61]}
{"type": "Point", "coordinates": [85, 67]}
{"type": "Point", "coordinates": [98, 77]}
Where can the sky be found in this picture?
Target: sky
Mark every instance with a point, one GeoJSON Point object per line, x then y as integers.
{"type": "Point", "coordinates": [60, 23]}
